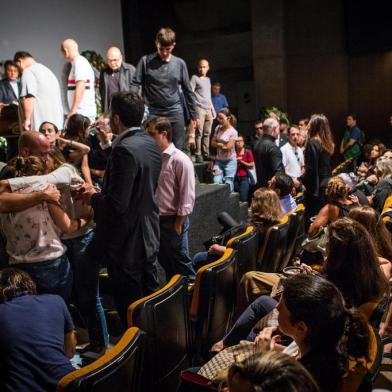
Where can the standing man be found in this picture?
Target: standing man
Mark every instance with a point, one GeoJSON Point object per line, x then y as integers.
{"type": "Point", "coordinates": [9, 86]}
{"type": "Point", "coordinates": [268, 158]}
{"type": "Point", "coordinates": [160, 76]}
{"type": "Point", "coordinates": [176, 198]}
{"type": "Point", "coordinates": [125, 211]}
{"type": "Point", "coordinates": [218, 100]}
{"type": "Point", "coordinates": [116, 77]}
{"type": "Point", "coordinates": [201, 85]}
{"type": "Point", "coordinates": [80, 82]}
{"type": "Point", "coordinates": [293, 157]}
{"type": "Point", "coordinates": [40, 93]}
{"type": "Point", "coordinates": [352, 142]}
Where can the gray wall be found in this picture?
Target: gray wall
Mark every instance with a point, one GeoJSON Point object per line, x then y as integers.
{"type": "Point", "coordinates": [39, 27]}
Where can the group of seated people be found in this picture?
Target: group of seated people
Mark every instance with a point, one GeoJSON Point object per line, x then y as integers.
{"type": "Point", "coordinates": [317, 326]}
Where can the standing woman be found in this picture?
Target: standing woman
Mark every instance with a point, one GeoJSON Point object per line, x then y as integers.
{"type": "Point", "coordinates": [245, 162]}
{"type": "Point", "coordinates": [225, 166]}
{"type": "Point", "coordinates": [318, 153]}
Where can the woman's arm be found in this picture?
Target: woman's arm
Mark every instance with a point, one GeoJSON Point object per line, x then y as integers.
{"type": "Point", "coordinates": [63, 221]}
{"type": "Point", "coordinates": [81, 147]}
{"type": "Point", "coordinates": [85, 169]}
{"type": "Point", "coordinates": [227, 146]}
{"type": "Point", "coordinates": [322, 219]}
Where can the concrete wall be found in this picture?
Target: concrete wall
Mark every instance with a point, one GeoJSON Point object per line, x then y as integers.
{"type": "Point", "coordinates": [39, 27]}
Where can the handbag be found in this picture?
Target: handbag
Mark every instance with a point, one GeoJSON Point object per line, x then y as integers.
{"type": "Point", "coordinates": [318, 242]}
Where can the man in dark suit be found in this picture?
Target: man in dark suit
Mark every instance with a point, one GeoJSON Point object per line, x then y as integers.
{"type": "Point", "coordinates": [126, 211]}
{"type": "Point", "coordinates": [115, 78]}
{"type": "Point", "coordinates": [9, 86]}
{"type": "Point", "coordinates": [268, 157]}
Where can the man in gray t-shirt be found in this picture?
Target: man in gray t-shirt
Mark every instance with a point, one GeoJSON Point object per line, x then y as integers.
{"type": "Point", "coordinates": [201, 85]}
{"type": "Point", "coordinates": [40, 94]}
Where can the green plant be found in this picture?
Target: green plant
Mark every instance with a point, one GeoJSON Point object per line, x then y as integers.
{"type": "Point", "coordinates": [273, 110]}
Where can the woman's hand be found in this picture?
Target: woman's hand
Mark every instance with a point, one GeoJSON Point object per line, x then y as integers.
{"type": "Point", "coordinates": [217, 347]}
{"type": "Point", "coordinates": [217, 249]}
{"type": "Point", "coordinates": [265, 341]}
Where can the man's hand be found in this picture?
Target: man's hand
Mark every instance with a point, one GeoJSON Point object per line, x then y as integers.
{"type": "Point", "coordinates": [85, 192]}
{"type": "Point", "coordinates": [51, 194]}
{"type": "Point", "coordinates": [26, 125]}
{"type": "Point", "coordinates": [191, 142]}
{"type": "Point", "coordinates": [217, 249]}
{"type": "Point", "coordinates": [178, 227]}
{"type": "Point", "coordinates": [297, 183]}
{"type": "Point", "coordinates": [372, 179]}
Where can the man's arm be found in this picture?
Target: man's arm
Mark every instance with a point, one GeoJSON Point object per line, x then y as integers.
{"type": "Point", "coordinates": [189, 95]}
{"type": "Point", "coordinates": [28, 108]}
{"type": "Point", "coordinates": [79, 91]}
{"type": "Point", "coordinates": [14, 202]}
{"type": "Point", "coordinates": [276, 160]}
{"type": "Point", "coordinates": [138, 78]}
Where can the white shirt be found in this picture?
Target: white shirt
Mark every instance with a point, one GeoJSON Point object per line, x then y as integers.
{"type": "Point", "coordinates": [293, 160]}
{"type": "Point", "coordinates": [15, 87]}
{"type": "Point", "coordinates": [40, 82]}
{"type": "Point", "coordinates": [82, 70]}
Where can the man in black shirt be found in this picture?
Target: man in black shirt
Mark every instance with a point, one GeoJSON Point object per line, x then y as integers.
{"type": "Point", "coordinates": [268, 157]}
{"type": "Point", "coordinates": [160, 76]}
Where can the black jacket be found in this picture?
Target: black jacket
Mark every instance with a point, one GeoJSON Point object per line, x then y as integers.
{"type": "Point", "coordinates": [268, 160]}
{"type": "Point", "coordinates": [127, 72]}
{"type": "Point", "coordinates": [317, 168]}
{"type": "Point", "coordinates": [126, 211]}
{"type": "Point", "coordinates": [7, 94]}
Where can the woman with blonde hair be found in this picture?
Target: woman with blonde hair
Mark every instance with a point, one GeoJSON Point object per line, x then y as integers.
{"type": "Point", "coordinates": [265, 212]}
{"type": "Point", "coordinates": [318, 151]}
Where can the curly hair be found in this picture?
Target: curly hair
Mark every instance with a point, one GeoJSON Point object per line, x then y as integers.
{"type": "Point", "coordinates": [14, 282]}
{"type": "Point", "coordinates": [336, 189]}
{"type": "Point", "coordinates": [27, 166]}
{"type": "Point", "coordinates": [265, 207]}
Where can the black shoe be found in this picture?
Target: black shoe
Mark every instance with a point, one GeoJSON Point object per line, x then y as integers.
{"type": "Point", "coordinates": [199, 159]}
{"type": "Point", "coordinates": [206, 158]}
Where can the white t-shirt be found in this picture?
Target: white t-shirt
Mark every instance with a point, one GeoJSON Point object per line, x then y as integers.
{"type": "Point", "coordinates": [82, 70]}
{"type": "Point", "coordinates": [293, 160]}
{"type": "Point", "coordinates": [41, 83]}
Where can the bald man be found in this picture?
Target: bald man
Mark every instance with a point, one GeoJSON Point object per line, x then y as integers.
{"type": "Point", "coordinates": [116, 77]}
{"type": "Point", "coordinates": [80, 82]}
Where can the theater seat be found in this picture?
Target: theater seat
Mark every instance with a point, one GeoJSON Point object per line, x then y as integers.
{"type": "Point", "coordinates": [388, 204]}
{"type": "Point", "coordinates": [297, 232]}
{"type": "Point", "coordinates": [212, 303]}
{"type": "Point", "coordinates": [164, 316]}
{"type": "Point", "coordinates": [247, 245]}
{"type": "Point", "coordinates": [345, 167]}
{"type": "Point", "coordinates": [117, 371]}
{"type": "Point", "coordinates": [273, 252]}
{"type": "Point", "coordinates": [362, 374]}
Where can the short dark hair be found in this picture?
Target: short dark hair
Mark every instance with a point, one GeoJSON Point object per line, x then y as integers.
{"type": "Point", "coordinates": [258, 122]}
{"type": "Point", "coordinates": [217, 84]}
{"type": "Point", "coordinates": [283, 121]}
{"type": "Point", "coordinates": [284, 183]}
{"type": "Point", "coordinates": [21, 55]}
{"type": "Point", "coordinates": [293, 126]}
{"type": "Point", "coordinates": [166, 36]}
{"type": "Point", "coordinates": [14, 282]}
{"type": "Point", "coordinates": [129, 107]}
{"type": "Point", "coordinates": [305, 120]}
{"type": "Point", "coordinates": [9, 63]}
{"type": "Point", "coordinates": [353, 115]}
{"type": "Point", "coordinates": [162, 124]}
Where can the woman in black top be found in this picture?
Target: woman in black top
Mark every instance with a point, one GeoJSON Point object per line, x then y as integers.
{"type": "Point", "coordinates": [318, 153]}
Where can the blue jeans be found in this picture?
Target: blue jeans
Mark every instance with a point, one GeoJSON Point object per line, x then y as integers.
{"type": "Point", "coordinates": [227, 170]}
{"type": "Point", "coordinates": [244, 326]}
{"type": "Point", "coordinates": [51, 276]}
{"type": "Point", "coordinates": [241, 185]}
{"type": "Point", "coordinates": [173, 251]}
{"type": "Point", "coordinates": [85, 291]}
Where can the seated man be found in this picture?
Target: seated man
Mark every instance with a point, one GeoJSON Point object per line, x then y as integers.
{"type": "Point", "coordinates": [37, 335]}
{"type": "Point", "coordinates": [283, 185]}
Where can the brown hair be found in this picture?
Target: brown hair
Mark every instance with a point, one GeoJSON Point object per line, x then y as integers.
{"type": "Point", "coordinates": [14, 282]}
{"type": "Point", "coordinates": [265, 206]}
{"type": "Point", "coordinates": [319, 129]}
{"type": "Point", "coordinates": [370, 219]}
{"type": "Point", "coordinates": [166, 36]}
{"type": "Point", "coordinates": [336, 189]}
{"type": "Point", "coordinates": [27, 166]}
{"type": "Point", "coordinates": [232, 119]}
{"type": "Point", "coordinates": [352, 262]}
{"type": "Point", "coordinates": [161, 124]}
{"type": "Point", "coordinates": [271, 372]}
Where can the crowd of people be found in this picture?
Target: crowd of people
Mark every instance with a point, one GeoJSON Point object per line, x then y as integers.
{"type": "Point", "coordinates": [82, 190]}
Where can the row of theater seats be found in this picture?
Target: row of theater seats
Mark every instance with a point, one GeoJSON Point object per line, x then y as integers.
{"type": "Point", "coordinates": [175, 327]}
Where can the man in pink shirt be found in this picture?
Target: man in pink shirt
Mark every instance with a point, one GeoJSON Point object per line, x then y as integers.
{"type": "Point", "coordinates": [176, 198]}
